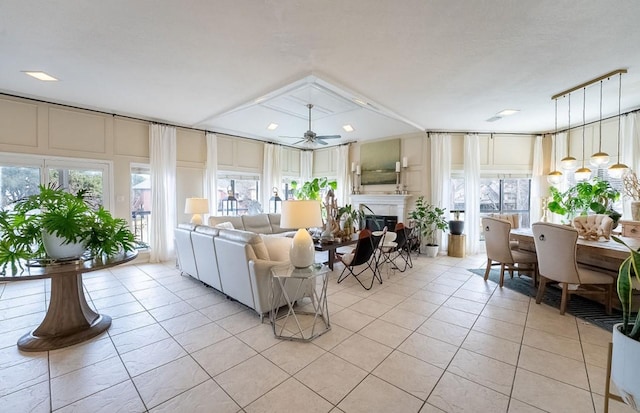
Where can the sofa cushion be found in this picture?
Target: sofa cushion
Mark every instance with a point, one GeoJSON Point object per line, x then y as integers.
{"type": "Point", "coordinates": [278, 247]}
{"type": "Point", "coordinates": [225, 225]}
{"type": "Point", "coordinates": [257, 223]}
{"type": "Point", "coordinates": [204, 229]}
{"type": "Point", "coordinates": [235, 221]}
{"type": "Point", "coordinates": [253, 240]}
{"type": "Point", "coordinates": [274, 220]}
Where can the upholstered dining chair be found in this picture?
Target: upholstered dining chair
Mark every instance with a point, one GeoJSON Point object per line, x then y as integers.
{"type": "Point", "coordinates": [556, 249]}
{"type": "Point", "coordinates": [362, 256]}
{"type": "Point", "coordinates": [496, 236]}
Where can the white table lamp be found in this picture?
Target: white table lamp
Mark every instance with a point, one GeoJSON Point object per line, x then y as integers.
{"type": "Point", "coordinates": [301, 215]}
{"type": "Point", "coordinates": [197, 207]}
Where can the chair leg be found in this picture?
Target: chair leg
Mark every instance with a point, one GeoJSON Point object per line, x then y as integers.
{"type": "Point", "coordinates": [501, 275]}
{"type": "Point", "coordinates": [541, 287]}
{"type": "Point", "coordinates": [486, 272]}
{"type": "Point", "coordinates": [565, 298]}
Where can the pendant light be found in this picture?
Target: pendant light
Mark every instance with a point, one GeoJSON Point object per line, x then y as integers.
{"type": "Point", "coordinates": [583, 174]}
{"type": "Point", "coordinates": [600, 158]}
{"type": "Point", "coordinates": [569, 163]}
{"type": "Point", "coordinates": [617, 170]}
{"type": "Point", "coordinates": [555, 176]}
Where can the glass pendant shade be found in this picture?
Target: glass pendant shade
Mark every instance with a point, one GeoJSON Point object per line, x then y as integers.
{"type": "Point", "coordinates": [617, 170]}
{"type": "Point", "coordinates": [599, 159]}
{"type": "Point", "coordinates": [568, 163]}
{"type": "Point", "coordinates": [554, 177]}
{"type": "Point", "coordinates": [583, 174]}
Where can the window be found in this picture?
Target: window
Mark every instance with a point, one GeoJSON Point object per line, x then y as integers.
{"type": "Point", "coordinates": [141, 203]}
{"type": "Point", "coordinates": [239, 195]}
{"type": "Point", "coordinates": [498, 196]}
{"type": "Point", "coordinates": [21, 175]}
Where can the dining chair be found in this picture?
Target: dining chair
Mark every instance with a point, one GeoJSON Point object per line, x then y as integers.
{"type": "Point", "coordinates": [556, 249]}
{"type": "Point", "coordinates": [593, 226]}
{"type": "Point", "coordinates": [496, 236]}
{"type": "Point", "coordinates": [362, 256]}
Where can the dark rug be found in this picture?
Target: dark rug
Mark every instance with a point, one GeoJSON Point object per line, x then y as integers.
{"type": "Point", "coordinates": [580, 307]}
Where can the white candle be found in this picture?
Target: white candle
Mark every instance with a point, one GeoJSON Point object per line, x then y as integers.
{"type": "Point", "coordinates": [358, 169]}
{"type": "Point", "coordinates": [353, 166]}
{"type": "Point", "coordinates": [405, 162]}
{"type": "Point", "coordinates": [398, 166]}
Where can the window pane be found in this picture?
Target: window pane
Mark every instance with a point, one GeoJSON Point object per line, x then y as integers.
{"type": "Point", "coordinates": [18, 182]}
{"type": "Point", "coordinates": [489, 195]}
{"type": "Point", "coordinates": [77, 179]}
{"type": "Point", "coordinates": [141, 204]}
{"type": "Point", "coordinates": [457, 194]}
{"type": "Point", "coordinates": [238, 196]}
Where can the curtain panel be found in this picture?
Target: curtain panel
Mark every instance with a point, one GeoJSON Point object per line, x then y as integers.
{"type": "Point", "coordinates": [211, 171]}
{"type": "Point", "coordinates": [538, 182]}
{"type": "Point", "coordinates": [441, 176]}
{"type": "Point", "coordinates": [162, 154]}
{"type": "Point", "coordinates": [343, 175]}
{"type": "Point", "coordinates": [271, 173]}
{"type": "Point", "coordinates": [472, 192]}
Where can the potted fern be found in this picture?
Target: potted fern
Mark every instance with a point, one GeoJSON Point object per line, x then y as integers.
{"type": "Point", "coordinates": [57, 225]}
{"type": "Point", "coordinates": [429, 219]}
{"type": "Point", "coordinates": [626, 335]}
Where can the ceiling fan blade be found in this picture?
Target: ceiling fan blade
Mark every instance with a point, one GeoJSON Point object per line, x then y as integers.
{"type": "Point", "coordinates": [320, 141]}
{"type": "Point", "coordinates": [329, 137]}
{"type": "Point", "coordinates": [290, 137]}
{"type": "Point", "coordinates": [299, 142]}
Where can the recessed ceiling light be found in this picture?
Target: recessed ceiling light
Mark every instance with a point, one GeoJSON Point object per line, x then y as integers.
{"type": "Point", "coordinates": [41, 76]}
{"type": "Point", "coordinates": [272, 126]}
{"type": "Point", "coordinates": [347, 128]}
{"type": "Point", "coordinates": [507, 112]}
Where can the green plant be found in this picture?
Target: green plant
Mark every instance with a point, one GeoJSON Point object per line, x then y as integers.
{"type": "Point", "coordinates": [351, 216]}
{"type": "Point", "coordinates": [627, 272]}
{"type": "Point", "coordinates": [595, 195]}
{"type": "Point", "coordinates": [312, 189]}
{"type": "Point", "coordinates": [71, 217]}
{"type": "Point", "coordinates": [429, 219]}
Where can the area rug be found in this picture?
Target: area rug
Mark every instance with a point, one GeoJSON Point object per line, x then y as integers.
{"type": "Point", "coordinates": [578, 306]}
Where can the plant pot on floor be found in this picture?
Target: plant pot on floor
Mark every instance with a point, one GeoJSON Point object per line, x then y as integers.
{"type": "Point", "coordinates": [431, 250]}
{"type": "Point", "coordinates": [624, 367]}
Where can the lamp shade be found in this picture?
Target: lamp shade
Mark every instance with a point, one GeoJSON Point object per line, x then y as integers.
{"type": "Point", "coordinates": [196, 206]}
{"type": "Point", "coordinates": [301, 214]}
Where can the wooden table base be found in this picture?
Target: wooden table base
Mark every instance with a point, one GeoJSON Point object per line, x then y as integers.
{"type": "Point", "coordinates": [69, 319]}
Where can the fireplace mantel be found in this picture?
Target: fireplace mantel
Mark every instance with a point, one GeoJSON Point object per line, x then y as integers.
{"type": "Point", "coordinates": [383, 204]}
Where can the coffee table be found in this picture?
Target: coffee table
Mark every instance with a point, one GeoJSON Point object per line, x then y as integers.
{"type": "Point", "coordinates": [331, 250]}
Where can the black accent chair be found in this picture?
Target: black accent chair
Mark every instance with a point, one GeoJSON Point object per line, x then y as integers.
{"type": "Point", "coordinates": [362, 256]}
{"type": "Point", "coordinates": [403, 250]}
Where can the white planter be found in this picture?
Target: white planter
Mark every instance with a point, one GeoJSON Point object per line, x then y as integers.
{"type": "Point", "coordinates": [57, 249]}
{"type": "Point", "coordinates": [431, 250]}
{"type": "Point", "coordinates": [625, 367]}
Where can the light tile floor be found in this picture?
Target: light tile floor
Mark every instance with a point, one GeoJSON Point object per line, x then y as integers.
{"type": "Point", "coordinates": [435, 338]}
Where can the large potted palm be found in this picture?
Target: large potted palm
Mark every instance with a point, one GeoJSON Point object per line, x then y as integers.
{"type": "Point", "coordinates": [55, 225]}
{"type": "Point", "coordinates": [429, 219]}
{"type": "Point", "coordinates": [625, 360]}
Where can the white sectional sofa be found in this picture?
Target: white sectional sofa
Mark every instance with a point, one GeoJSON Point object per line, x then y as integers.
{"type": "Point", "coordinates": [267, 224]}
{"type": "Point", "coordinates": [236, 262]}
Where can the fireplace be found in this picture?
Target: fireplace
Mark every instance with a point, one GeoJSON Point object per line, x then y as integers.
{"type": "Point", "coordinates": [377, 222]}
{"type": "Point", "coordinates": [385, 205]}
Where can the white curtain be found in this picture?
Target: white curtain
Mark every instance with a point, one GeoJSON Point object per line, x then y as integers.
{"type": "Point", "coordinates": [306, 165]}
{"type": "Point", "coordinates": [211, 170]}
{"type": "Point", "coordinates": [630, 150]}
{"type": "Point", "coordinates": [472, 192]}
{"type": "Point", "coordinates": [343, 175]}
{"type": "Point", "coordinates": [162, 154]}
{"type": "Point", "coordinates": [559, 151]}
{"type": "Point", "coordinates": [538, 182]}
{"type": "Point", "coordinates": [271, 173]}
{"type": "Point", "coordinates": [441, 176]}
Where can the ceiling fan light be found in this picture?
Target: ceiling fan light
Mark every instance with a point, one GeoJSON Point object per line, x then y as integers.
{"type": "Point", "coordinates": [568, 163]}
{"type": "Point", "coordinates": [583, 174]}
{"type": "Point", "coordinates": [617, 170]}
{"type": "Point", "coordinates": [599, 159]}
{"type": "Point", "coordinates": [554, 177]}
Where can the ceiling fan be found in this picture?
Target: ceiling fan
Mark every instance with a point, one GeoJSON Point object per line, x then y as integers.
{"type": "Point", "coordinates": [310, 136]}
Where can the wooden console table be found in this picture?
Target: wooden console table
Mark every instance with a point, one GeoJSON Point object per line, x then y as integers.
{"type": "Point", "coordinates": [69, 319]}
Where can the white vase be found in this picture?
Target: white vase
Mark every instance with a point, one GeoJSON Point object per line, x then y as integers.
{"type": "Point", "coordinates": [624, 367]}
{"type": "Point", "coordinates": [635, 210]}
{"type": "Point", "coordinates": [57, 249]}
